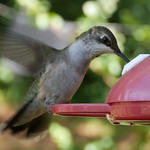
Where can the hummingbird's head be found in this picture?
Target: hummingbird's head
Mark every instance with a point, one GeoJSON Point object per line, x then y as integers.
{"type": "Point", "coordinates": [100, 40]}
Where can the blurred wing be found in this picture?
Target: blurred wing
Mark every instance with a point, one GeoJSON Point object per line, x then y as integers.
{"type": "Point", "coordinates": [23, 49]}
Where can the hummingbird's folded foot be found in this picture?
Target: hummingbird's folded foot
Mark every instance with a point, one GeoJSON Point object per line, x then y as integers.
{"type": "Point", "coordinates": [49, 107]}
{"type": "Point", "coordinates": [49, 110]}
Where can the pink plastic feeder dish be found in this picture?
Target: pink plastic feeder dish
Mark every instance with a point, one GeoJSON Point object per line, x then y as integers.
{"type": "Point", "coordinates": [128, 102]}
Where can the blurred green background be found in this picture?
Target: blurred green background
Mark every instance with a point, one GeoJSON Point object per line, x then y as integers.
{"type": "Point", "coordinates": [129, 21]}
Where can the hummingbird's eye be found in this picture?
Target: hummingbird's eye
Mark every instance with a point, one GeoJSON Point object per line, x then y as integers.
{"type": "Point", "coordinates": [105, 40]}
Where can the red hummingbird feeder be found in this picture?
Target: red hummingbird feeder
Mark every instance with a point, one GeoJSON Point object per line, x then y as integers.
{"type": "Point", "coordinates": [128, 102]}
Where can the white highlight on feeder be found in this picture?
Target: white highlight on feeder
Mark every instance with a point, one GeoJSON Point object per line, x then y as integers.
{"type": "Point", "coordinates": [134, 62]}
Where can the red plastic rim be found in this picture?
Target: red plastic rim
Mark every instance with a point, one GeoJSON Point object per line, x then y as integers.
{"type": "Point", "coordinates": [85, 110]}
{"type": "Point", "coordinates": [131, 110]}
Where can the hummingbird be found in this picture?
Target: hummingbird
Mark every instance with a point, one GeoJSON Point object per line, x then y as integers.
{"type": "Point", "coordinates": [60, 72]}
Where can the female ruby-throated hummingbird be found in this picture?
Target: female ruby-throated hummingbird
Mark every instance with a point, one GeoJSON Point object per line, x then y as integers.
{"type": "Point", "coordinates": [61, 73]}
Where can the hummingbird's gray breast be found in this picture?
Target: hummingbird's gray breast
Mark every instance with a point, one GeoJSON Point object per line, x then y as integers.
{"type": "Point", "coordinates": [59, 82]}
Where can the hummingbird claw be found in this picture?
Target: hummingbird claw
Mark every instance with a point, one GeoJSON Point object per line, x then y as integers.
{"type": "Point", "coordinates": [49, 107]}
{"type": "Point", "coordinates": [48, 110]}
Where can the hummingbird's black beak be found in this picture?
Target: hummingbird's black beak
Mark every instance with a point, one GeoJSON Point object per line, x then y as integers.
{"type": "Point", "coordinates": [120, 54]}
{"type": "Point", "coordinates": [123, 57]}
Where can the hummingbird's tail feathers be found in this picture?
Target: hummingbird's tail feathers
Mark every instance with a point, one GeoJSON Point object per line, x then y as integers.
{"type": "Point", "coordinates": [38, 127]}
{"type": "Point", "coordinates": [15, 118]}
{"type": "Point", "coordinates": [10, 123]}
{"type": "Point", "coordinates": [26, 123]}
{"type": "Point", "coordinates": [2, 127]}
{"type": "Point", "coordinates": [35, 129]}
{"type": "Point", "coordinates": [29, 111]}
